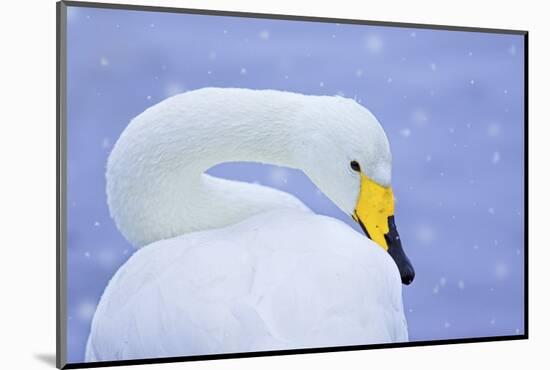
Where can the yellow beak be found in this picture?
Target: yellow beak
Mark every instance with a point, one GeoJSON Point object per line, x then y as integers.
{"type": "Point", "coordinates": [375, 213]}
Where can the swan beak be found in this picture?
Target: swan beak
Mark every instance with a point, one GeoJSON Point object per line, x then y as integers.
{"type": "Point", "coordinates": [375, 213]}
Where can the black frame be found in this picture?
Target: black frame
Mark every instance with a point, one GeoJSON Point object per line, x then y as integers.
{"type": "Point", "coordinates": [61, 144]}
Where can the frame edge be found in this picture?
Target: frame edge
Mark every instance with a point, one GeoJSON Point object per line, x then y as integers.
{"type": "Point", "coordinates": [61, 266]}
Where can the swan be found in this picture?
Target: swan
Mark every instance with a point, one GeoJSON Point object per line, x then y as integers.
{"type": "Point", "coordinates": [229, 267]}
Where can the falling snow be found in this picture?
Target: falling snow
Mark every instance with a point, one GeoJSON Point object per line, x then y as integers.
{"type": "Point", "coordinates": [501, 270]}
{"type": "Point", "coordinates": [420, 117]}
{"type": "Point", "coordinates": [496, 158]}
{"type": "Point", "coordinates": [493, 130]}
{"type": "Point", "coordinates": [278, 176]}
{"type": "Point", "coordinates": [452, 127]}
{"type": "Point", "coordinates": [374, 43]}
{"type": "Point", "coordinates": [85, 310]}
{"type": "Point", "coordinates": [173, 88]}
{"type": "Point", "coordinates": [106, 143]}
{"type": "Point", "coordinates": [425, 234]}
{"type": "Point", "coordinates": [405, 132]}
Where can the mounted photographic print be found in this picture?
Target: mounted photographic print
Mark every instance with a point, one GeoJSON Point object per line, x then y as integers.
{"type": "Point", "coordinates": [235, 184]}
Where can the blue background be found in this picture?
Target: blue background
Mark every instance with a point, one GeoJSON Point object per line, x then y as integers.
{"type": "Point", "coordinates": [450, 102]}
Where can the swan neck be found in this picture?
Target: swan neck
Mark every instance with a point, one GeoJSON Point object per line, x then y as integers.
{"type": "Point", "coordinates": [156, 185]}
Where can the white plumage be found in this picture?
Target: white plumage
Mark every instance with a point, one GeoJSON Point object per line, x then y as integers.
{"type": "Point", "coordinates": [232, 267]}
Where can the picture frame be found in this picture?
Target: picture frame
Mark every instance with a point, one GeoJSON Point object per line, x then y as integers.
{"type": "Point", "coordinates": [63, 259]}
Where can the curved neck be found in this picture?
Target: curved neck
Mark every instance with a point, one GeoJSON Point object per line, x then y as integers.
{"type": "Point", "coordinates": [156, 186]}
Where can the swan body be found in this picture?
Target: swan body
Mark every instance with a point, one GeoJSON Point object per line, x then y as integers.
{"type": "Point", "coordinates": [259, 285]}
{"type": "Point", "coordinates": [224, 266]}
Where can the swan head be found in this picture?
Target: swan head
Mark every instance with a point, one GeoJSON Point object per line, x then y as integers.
{"type": "Point", "coordinates": [347, 155]}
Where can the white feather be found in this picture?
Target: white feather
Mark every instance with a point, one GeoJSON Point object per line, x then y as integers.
{"type": "Point", "coordinates": [232, 267]}
{"type": "Point", "coordinates": [284, 279]}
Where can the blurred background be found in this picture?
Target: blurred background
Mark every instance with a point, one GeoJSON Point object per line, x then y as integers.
{"type": "Point", "coordinates": [450, 102]}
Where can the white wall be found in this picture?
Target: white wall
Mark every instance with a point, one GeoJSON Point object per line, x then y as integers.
{"type": "Point", "coordinates": [27, 196]}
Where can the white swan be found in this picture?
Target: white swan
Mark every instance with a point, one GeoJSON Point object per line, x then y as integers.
{"type": "Point", "coordinates": [236, 267]}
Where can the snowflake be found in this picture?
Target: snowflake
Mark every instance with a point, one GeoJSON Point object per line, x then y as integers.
{"type": "Point", "coordinates": [493, 130]}
{"type": "Point", "coordinates": [173, 88]}
{"type": "Point", "coordinates": [278, 176]}
{"type": "Point", "coordinates": [405, 132]}
{"type": "Point", "coordinates": [501, 271]}
{"type": "Point", "coordinates": [243, 71]}
{"type": "Point", "coordinates": [264, 35]}
{"type": "Point", "coordinates": [425, 234]}
{"type": "Point", "coordinates": [419, 117]}
{"type": "Point", "coordinates": [496, 158]}
{"type": "Point", "coordinates": [85, 310]}
{"type": "Point", "coordinates": [374, 44]}
{"type": "Point", "coordinates": [105, 143]}
{"type": "Point", "coordinates": [103, 61]}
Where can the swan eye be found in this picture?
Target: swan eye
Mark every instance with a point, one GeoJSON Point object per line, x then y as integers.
{"type": "Point", "coordinates": [355, 166]}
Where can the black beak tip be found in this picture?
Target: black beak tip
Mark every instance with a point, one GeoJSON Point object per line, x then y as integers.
{"type": "Point", "coordinates": [407, 276]}
{"type": "Point", "coordinates": [396, 251]}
